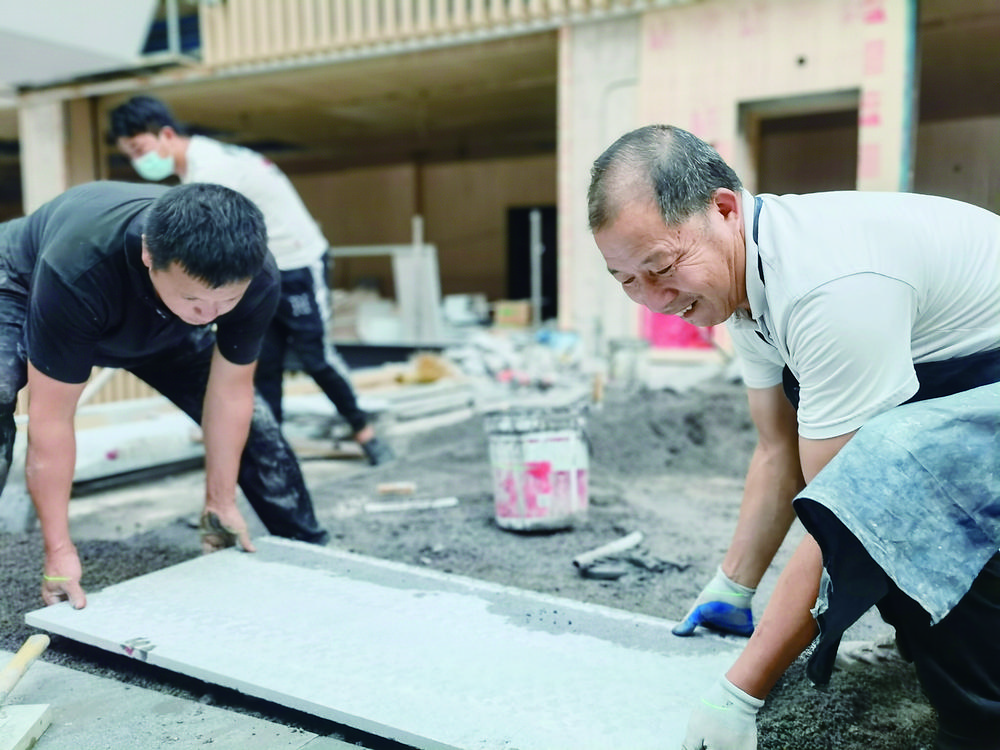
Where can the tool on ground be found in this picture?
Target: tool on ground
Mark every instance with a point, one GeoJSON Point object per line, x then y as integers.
{"type": "Point", "coordinates": [587, 559]}
{"type": "Point", "coordinates": [384, 506]}
{"type": "Point", "coordinates": [22, 725]}
{"type": "Point", "coordinates": [396, 488]}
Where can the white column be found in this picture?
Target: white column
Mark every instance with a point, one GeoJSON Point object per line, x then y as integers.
{"type": "Point", "coordinates": [42, 134]}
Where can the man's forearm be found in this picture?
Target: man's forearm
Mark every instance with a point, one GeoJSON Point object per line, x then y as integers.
{"type": "Point", "coordinates": [787, 626]}
{"type": "Point", "coordinates": [226, 424]}
{"type": "Point", "coordinates": [49, 466]}
{"type": "Point", "coordinates": [227, 411]}
{"type": "Point", "coordinates": [766, 514]}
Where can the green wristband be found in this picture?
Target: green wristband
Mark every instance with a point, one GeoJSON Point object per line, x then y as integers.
{"type": "Point", "coordinates": [54, 578]}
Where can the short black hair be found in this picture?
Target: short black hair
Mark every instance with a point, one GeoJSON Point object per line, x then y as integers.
{"type": "Point", "coordinates": [657, 163]}
{"type": "Point", "coordinates": [141, 114]}
{"type": "Point", "coordinates": [215, 234]}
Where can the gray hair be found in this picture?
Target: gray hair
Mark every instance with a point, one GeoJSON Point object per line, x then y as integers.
{"type": "Point", "coordinates": [660, 163]}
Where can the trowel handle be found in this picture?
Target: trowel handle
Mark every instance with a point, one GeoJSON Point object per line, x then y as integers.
{"type": "Point", "coordinates": [16, 667]}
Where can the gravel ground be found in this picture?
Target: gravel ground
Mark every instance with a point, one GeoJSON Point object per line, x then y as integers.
{"type": "Point", "coordinates": [664, 463]}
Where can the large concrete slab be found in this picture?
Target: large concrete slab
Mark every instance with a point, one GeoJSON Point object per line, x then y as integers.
{"type": "Point", "coordinates": [425, 658]}
{"type": "Point", "coordinates": [96, 713]}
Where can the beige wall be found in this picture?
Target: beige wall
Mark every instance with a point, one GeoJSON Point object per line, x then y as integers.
{"type": "Point", "coordinates": [598, 77]}
{"type": "Point", "coordinates": [464, 205]}
{"type": "Point", "coordinates": [960, 159]}
{"type": "Point", "coordinates": [774, 50]}
{"type": "Point", "coordinates": [465, 214]}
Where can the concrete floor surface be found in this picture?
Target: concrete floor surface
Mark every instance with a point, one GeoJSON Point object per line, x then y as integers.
{"type": "Point", "coordinates": [95, 713]}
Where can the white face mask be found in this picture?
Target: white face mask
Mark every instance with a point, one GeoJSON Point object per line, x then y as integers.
{"type": "Point", "coordinates": [151, 166]}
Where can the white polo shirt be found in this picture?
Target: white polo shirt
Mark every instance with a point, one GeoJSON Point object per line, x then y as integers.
{"type": "Point", "coordinates": [850, 289]}
{"type": "Point", "coordinates": [293, 236]}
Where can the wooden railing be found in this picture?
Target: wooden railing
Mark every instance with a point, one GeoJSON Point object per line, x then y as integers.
{"type": "Point", "coordinates": [104, 386]}
{"type": "Point", "coordinates": [247, 31]}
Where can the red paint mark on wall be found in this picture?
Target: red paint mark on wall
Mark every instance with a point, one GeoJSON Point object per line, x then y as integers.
{"type": "Point", "coordinates": [704, 122]}
{"type": "Point", "coordinates": [874, 57]}
{"type": "Point", "coordinates": [752, 19]}
{"type": "Point", "coordinates": [869, 161]}
{"type": "Point", "coordinates": [874, 11]}
{"type": "Point", "coordinates": [660, 36]}
{"type": "Point", "coordinates": [870, 111]}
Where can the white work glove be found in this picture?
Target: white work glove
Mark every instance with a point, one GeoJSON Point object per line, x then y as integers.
{"type": "Point", "coordinates": [723, 605]}
{"type": "Point", "coordinates": [726, 719]}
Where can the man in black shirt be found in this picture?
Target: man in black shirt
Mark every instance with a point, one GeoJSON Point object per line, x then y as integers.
{"type": "Point", "coordinates": [176, 286]}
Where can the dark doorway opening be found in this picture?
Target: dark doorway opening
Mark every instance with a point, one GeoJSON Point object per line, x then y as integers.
{"type": "Point", "coordinates": [808, 153]}
{"type": "Point", "coordinates": [519, 257]}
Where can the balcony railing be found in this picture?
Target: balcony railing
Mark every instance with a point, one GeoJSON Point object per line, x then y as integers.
{"type": "Point", "coordinates": [235, 32]}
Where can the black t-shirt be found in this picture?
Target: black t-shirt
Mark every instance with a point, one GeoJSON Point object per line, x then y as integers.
{"type": "Point", "coordinates": [78, 258]}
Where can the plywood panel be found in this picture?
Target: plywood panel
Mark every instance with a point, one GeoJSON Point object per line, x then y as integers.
{"type": "Point", "coordinates": [598, 89]}
{"type": "Point", "coordinates": [960, 159]}
{"type": "Point", "coordinates": [465, 211]}
{"type": "Point", "coordinates": [433, 660]}
{"type": "Point", "coordinates": [745, 51]}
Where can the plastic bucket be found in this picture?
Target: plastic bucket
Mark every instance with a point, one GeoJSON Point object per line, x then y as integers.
{"type": "Point", "coordinates": [540, 465]}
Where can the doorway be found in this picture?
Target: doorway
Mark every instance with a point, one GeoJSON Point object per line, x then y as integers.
{"type": "Point", "coordinates": [519, 257]}
{"type": "Point", "coordinates": [808, 153]}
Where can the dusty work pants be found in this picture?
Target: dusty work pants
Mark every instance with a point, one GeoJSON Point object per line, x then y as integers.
{"type": "Point", "coordinates": [269, 473]}
{"type": "Point", "coordinates": [958, 659]}
{"type": "Point", "coordinates": [299, 327]}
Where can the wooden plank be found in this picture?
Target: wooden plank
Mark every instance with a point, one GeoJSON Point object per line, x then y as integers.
{"type": "Point", "coordinates": [21, 726]}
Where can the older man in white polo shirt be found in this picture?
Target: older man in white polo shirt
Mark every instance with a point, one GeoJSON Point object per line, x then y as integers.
{"type": "Point", "coordinates": [843, 306]}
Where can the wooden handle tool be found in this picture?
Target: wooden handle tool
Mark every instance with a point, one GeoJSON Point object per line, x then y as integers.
{"type": "Point", "coordinates": [16, 667]}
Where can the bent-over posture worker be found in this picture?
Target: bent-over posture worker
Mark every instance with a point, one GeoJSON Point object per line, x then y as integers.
{"type": "Point", "coordinates": [842, 306]}
{"type": "Point", "coordinates": [177, 287]}
{"type": "Point", "coordinates": [150, 136]}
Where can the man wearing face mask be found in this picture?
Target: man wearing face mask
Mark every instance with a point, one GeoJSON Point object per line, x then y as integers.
{"type": "Point", "coordinates": [148, 134]}
{"type": "Point", "coordinates": [125, 275]}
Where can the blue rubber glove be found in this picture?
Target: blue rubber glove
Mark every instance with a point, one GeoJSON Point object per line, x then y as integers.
{"type": "Point", "coordinates": [725, 719]}
{"type": "Point", "coordinates": [722, 605]}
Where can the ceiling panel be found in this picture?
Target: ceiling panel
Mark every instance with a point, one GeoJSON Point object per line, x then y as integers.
{"type": "Point", "coordinates": [490, 98]}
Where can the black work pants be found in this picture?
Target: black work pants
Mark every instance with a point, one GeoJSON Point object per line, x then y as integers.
{"type": "Point", "coordinates": [269, 473]}
{"type": "Point", "coordinates": [958, 659]}
{"type": "Point", "coordinates": [299, 327]}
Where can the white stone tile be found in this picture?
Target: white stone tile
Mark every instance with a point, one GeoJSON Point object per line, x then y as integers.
{"type": "Point", "coordinates": [429, 659]}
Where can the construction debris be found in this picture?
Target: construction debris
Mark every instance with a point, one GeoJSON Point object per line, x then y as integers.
{"type": "Point", "coordinates": [608, 562]}
{"type": "Point", "coordinates": [390, 506]}
{"type": "Point", "coordinates": [587, 559]}
{"type": "Point", "coordinates": [396, 488]}
{"type": "Point", "coordinates": [21, 726]}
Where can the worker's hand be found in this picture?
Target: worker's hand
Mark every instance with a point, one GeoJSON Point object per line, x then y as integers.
{"type": "Point", "coordinates": [726, 719]}
{"type": "Point", "coordinates": [221, 527]}
{"type": "Point", "coordinates": [722, 605]}
{"type": "Point", "coordinates": [61, 578]}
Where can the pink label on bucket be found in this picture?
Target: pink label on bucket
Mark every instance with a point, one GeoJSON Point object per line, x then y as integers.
{"type": "Point", "coordinates": [536, 485]}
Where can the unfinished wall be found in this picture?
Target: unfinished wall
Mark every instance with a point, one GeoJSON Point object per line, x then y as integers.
{"type": "Point", "coordinates": [464, 206]}
{"type": "Point", "coordinates": [704, 66]}
{"type": "Point", "coordinates": [598, 75]}
{"type": "Point", "coordinates": [465, 215]}
{"type": "Point", "coordinates": [362, 207]}
{"type": "Point", "coordinates": [960, 159]}
{"type": "Point", "coordinates": [775, 50]}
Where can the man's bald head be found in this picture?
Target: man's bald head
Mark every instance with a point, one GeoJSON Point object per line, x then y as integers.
{"type": "Point", "coordinates": [658, 164]}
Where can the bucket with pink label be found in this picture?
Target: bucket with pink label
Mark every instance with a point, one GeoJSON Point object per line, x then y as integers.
{"type": "Point", "coordinates": [540, 464]}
